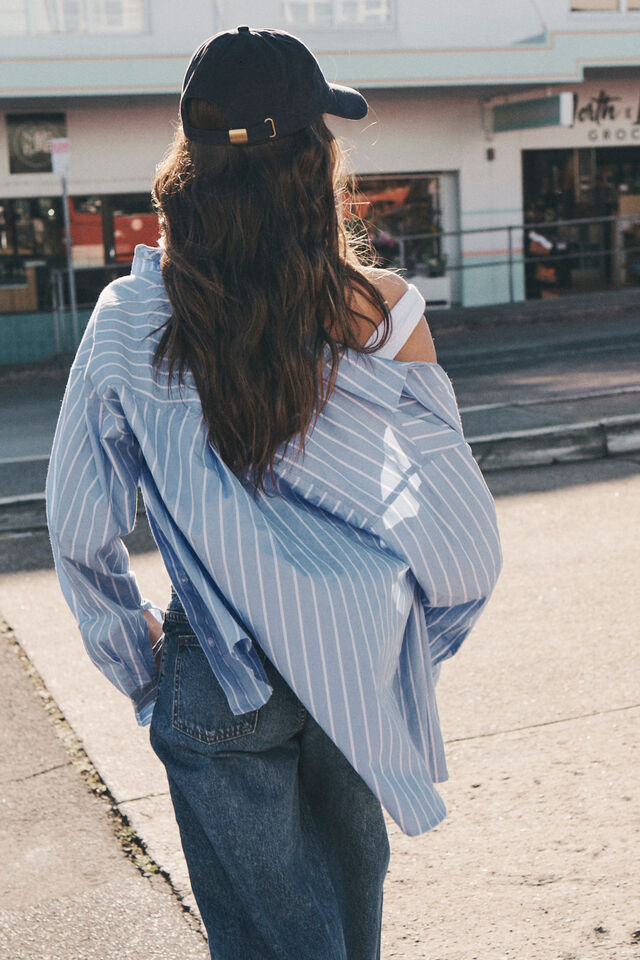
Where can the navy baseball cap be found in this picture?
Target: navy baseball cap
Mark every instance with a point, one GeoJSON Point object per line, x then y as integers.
{"type": "Point", "coordinates": [266, 83]}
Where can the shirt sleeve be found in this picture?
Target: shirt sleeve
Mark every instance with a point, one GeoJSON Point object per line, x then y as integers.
{"type": "Point", "coordinates": [449, 626]}
{"type": "Point", "coordinates": [91, 499]}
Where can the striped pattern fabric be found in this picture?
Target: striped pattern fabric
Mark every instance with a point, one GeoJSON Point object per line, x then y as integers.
{"type": "Point", "coordinates": [359, 575]}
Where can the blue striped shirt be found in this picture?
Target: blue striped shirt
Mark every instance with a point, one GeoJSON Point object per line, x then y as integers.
{"type": "Point", "coordinates": [358, 578]}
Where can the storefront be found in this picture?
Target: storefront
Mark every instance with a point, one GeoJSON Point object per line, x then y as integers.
{"type": "Point", "coordinates": [407, 218]}
{"type": "Point", "coordinates": [441, 195]}
{"type": "Point", "coordinates": [104, 231]}
{"type": "Point", "coordinates": [590, 184]}
{"type": "Point", "coordinates": [106, 223]}
{"type": "Point", "coordinates": [594, 179]}
{"type": "Point", "coordinates": [404, 213]}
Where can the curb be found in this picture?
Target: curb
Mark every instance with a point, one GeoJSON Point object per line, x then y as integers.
{"type": "Point", "coordinates": [611, 304]}
{"type": "Point", "coordinates": [22, 515]}
{"type": "Point", "coordinates": [566, 442]}
{"type": "Point", "coordinates": [25, 514]}
{"type": "Point", "coordinates": [535, 447]}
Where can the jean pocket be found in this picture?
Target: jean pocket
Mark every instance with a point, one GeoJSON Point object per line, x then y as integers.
{"type": "Point", "coordinates": [200, 707]}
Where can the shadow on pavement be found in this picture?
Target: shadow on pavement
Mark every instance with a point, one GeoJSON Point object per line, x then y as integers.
{"type": "Point", "coordinates": [32, 550]}
{"type": "Point", "coordinates": [524, 480]}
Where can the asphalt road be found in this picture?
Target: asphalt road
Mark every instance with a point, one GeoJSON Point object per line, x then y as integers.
{"type": "Point", "coordinates": [548, 361]}
{"type": "Point", "coordinates": [544, 361]}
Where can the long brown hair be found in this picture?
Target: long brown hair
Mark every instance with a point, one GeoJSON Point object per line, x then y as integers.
{"type": "Point", "coordinates": [260, 270]}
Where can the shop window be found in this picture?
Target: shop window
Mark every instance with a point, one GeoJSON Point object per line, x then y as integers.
{"type": "Point", "coordinates": [30, 243]}
{"type": "Point", "coordinates": [587, 187]}
{"type": "Point", "coordinates": [336, 13]}
{"type": "Point", "coordinates": [30, 227]}
{"type": "Point", "coordinates": [402, 217]}
{"type": "Point", "coordinates": [21, 17]}
{"type": "Point", "coordinates": [107, 228]}
{"type": "Point", "coordinates": [87, 241]}
{"type": "Point", "coordinates": [133, 222]}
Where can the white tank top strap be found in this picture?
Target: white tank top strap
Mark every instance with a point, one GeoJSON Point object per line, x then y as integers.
{"type": "Point", "coordinates": [405, 316]}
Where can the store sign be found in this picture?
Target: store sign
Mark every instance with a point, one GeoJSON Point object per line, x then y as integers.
{"type": "Point", "coordinates": [29, 135]}
{"type": "Point", "coordinates": [607, 117]}
{"type": "Point", "coordinates": [531, 114]}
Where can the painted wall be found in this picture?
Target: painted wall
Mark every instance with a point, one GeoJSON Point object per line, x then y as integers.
{"type": "Point", "coordinates": [114, 147]}
{"type": "Point", "coordinates": [426, 43]}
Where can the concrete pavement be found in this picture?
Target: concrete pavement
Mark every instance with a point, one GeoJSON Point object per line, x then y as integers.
{"type": "Point", "coordinates": [537, 858]}
{"type": "Point", "coordinates": [67, 889]}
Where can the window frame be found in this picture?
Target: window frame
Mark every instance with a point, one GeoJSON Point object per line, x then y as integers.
{"type": "Point", "coordinates": [402, 258]}
{"type": "Point", "coordinates": [338, 25]}
{"type": "Point", "coordinates": [621, 9]}
{"type": "Point", "coordinates": [87, 26]}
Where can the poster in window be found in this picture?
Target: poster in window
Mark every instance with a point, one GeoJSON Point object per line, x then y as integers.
{"type": "Point", "coordinates": [29, 135]}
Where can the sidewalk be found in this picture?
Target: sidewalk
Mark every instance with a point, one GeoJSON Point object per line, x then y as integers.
{"type": "Point", "coordinates": [536, 859]}
{"type": "Point", "coordinates": [67, 889]}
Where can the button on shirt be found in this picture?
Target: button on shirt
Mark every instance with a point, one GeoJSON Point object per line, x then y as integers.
{"type": "Point", "coordinates": [365, 570]}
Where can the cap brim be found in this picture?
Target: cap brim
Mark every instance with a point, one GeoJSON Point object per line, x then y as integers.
{"type": "Point", "coordinates": [346, 102]}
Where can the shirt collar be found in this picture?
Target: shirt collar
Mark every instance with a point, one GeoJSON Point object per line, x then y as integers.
{"type": "Point", "coordinates": [145, 259]}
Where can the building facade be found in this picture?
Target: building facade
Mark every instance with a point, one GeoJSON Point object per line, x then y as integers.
{"type": "Point", "coordinates": [445, 182]}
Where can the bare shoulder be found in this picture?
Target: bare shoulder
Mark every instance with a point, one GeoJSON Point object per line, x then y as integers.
{"type": "Point", "coordinates": [391, 285]}
{"type": "Point", "coordinates": [419, 345]}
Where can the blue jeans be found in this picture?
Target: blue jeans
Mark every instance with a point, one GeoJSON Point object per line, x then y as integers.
{"type": "Point", "coordinates": [286, 845]}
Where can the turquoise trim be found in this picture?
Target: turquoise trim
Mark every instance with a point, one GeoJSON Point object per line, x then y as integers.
{"type": "Point", "coordinates": [29, 337]}
{"type": "Point", "coordinates": [527, 114]}
{"type": "Point", "coordinates": [483, 287]}
{"type": "Point", "coordinates": [562, 60]}
{"type": "Point", "coordinates": [489, 258]}
{"type": "Point", "coordinates": [477, 213]}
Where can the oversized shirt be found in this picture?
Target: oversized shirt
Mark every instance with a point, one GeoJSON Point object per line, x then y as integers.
{"type": "Point", "coordinates": [358, 573]}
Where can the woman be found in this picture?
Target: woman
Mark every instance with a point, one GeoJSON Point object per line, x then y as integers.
{"type": "Point", "coordinates": [328, 535]}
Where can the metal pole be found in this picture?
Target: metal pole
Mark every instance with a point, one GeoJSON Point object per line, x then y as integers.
{"type": "Point", "coordinates": [617, 261]}
{"type": "Point", "coordinates": [61, 307]}
{"type": "Point", "coordinates": [510, 236]}
{"type": "Point", "coordinates": [401, 244]}
{"type": "Point", "coordinates": [56, 314]}
{"type": "Point", "coordinates": [72, 279]}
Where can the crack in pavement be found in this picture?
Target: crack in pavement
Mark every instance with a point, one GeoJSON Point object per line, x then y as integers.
{"type": "Point", "coordinates": [38, 773]}
{"type": "Point", "coordinates": [544, 723]}
{"type": "Point", "coordinates": [146, 796]}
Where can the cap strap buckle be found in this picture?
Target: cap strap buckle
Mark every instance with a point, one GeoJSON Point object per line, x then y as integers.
{"type": "Point", "coordinates": [239, 135]}
{"type": "Point", "coordinates": [242, 134]}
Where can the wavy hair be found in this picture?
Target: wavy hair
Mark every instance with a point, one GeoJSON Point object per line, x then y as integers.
{"type": "Point", "coordinates": [260, 269]}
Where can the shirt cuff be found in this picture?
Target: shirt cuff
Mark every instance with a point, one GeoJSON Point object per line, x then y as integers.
{"type": "Point", "coordinates": [144, 702]}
